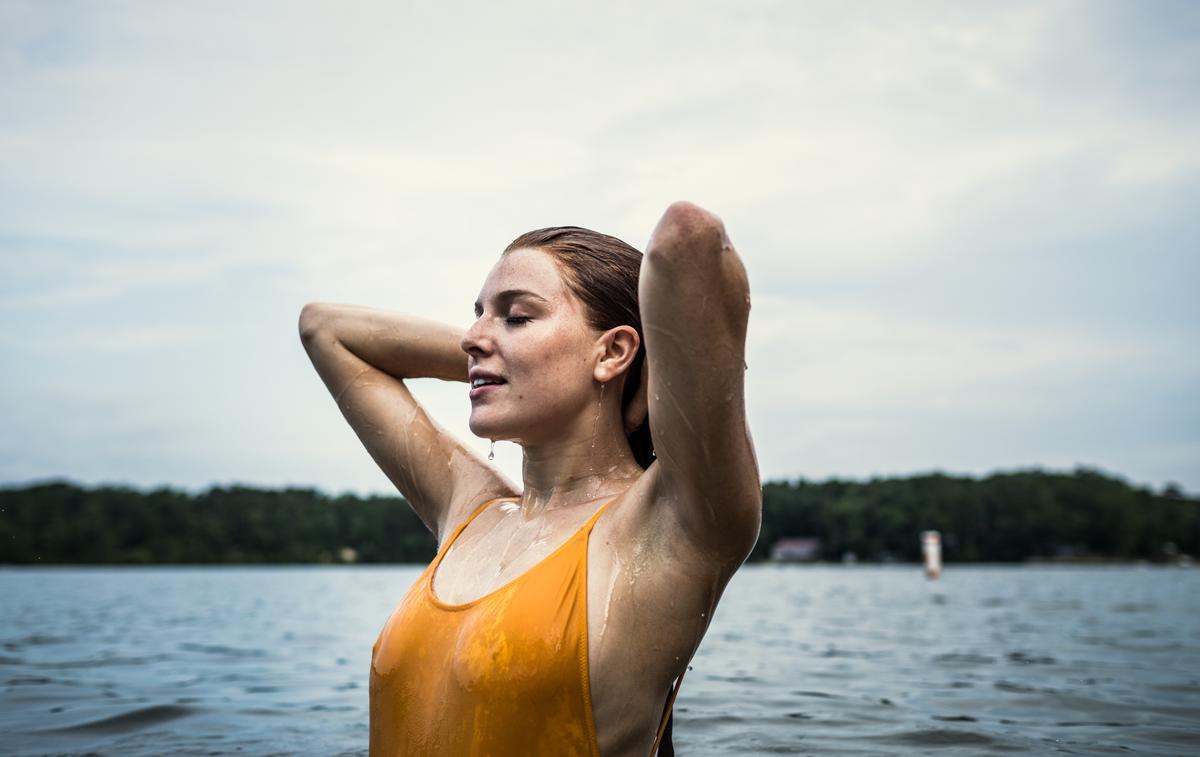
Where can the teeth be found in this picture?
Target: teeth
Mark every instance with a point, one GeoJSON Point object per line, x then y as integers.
{"type": "Point", "coordinates": [481, 381]}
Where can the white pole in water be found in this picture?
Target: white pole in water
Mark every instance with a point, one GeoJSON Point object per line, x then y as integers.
{"type": "Point", "coordinates": [931, 547]}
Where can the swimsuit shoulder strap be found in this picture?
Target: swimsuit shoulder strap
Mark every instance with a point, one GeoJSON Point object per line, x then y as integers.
{"type": "Point", "coordinates": [596, 515]}
{"type": "Point", "coordinates": [459, 528]}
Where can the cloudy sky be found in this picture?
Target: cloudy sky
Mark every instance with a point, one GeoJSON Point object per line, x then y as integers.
{"type": "Point", "coordinates": [971, 229]}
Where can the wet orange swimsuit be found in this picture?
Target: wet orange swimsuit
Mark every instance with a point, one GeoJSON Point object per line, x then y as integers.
{"type": "Point", "coordinates": [503, 675]}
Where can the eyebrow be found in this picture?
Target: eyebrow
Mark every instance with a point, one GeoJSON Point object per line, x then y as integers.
{"type": "Point", "coordinates": [511, 294]}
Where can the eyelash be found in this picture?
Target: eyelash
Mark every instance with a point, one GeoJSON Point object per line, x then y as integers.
{"type": "Point", "coordinates": [512, 320]}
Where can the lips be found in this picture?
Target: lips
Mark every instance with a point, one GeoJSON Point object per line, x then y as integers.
{"type": "Point", "coordinates": [484, 382]}
{"type": "Point", "coordinates": [477, 375]}
{"type": "Point", "coordinates": [484, 389]}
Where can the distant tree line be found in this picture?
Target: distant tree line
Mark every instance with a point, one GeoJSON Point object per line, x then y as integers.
{"type": "Point", "coordinates": [1003, 517]}
{"type": "Point", "coordinates": [59, 522]}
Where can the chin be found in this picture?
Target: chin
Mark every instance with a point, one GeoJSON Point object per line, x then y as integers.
{"type": "Point", "coordinates": [487, 428]}
{"type": "Point", "coordinates": [519, 428]}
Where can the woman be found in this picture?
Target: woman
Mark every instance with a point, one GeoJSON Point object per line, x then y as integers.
{"type": "Point", "coordinates": [557, 614]}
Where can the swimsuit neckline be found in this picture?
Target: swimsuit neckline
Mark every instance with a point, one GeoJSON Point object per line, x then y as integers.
{"type": "Point", "coordinates": [584, 530]}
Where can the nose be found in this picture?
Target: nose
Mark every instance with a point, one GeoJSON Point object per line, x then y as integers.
{"type": "Point", "coordinates": [476, 341]}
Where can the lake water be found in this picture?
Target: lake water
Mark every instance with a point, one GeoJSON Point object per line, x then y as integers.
{"type": "Point", "coordinates": [798, 660]}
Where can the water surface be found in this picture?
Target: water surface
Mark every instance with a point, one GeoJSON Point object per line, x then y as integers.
{"type": "Point", "coordinates": [798, 660]}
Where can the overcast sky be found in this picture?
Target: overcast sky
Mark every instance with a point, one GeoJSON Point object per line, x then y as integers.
{"type": "Point", "coordinates": [971, 229]}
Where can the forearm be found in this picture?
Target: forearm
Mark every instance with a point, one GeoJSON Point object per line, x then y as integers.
{"type": "Point", "coordinates": [404, 346]}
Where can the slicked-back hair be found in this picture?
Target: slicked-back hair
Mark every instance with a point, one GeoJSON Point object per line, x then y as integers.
{"type": "Point", "coordinates": [602, 271]}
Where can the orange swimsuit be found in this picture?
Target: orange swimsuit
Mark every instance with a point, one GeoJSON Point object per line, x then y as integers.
{"type": "Point", "coordinates": [503, 675]}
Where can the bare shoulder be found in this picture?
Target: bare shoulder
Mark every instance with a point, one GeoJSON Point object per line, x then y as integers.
{"type": "Point", "coordinates": [648, 526]}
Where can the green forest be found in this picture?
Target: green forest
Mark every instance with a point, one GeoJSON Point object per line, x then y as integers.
{"type": "Point", "coordinates": [1015, 516]}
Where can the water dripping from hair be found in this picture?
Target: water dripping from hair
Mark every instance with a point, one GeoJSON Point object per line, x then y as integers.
{"type": "Point", "coordinates": [596, 420]}
{"type": "Point", "coordinates": [595, 480]}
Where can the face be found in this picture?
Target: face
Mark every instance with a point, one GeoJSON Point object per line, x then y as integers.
{"type": "Point", "coordinates": [531, 333]}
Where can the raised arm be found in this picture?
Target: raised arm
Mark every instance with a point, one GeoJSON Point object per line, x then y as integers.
{"type": "Point", "coordinates": [695, 304]}
{"type": "Point", "coordinates": [363, 356]}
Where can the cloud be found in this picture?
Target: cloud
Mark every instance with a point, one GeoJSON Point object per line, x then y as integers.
{"type": "Point", "coordinates": [969, 228]}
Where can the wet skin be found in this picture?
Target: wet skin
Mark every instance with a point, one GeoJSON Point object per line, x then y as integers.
{"type": "Point", "coordinates": [661, 555]}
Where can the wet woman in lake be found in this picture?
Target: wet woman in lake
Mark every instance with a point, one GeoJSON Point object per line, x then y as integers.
{"type": "Point", "coordinates": [559, 616]}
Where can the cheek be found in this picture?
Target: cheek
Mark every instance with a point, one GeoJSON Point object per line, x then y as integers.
{"type": "Point", "coordinates": [550, 371]}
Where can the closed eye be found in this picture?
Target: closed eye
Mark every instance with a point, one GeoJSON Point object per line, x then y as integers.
{"type": "Point", "coordinates": [517, 320]}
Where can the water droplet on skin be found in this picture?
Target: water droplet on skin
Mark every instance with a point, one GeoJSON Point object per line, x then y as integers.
{"type": "Point", "coordinates": [492, 451]}
{"type": "Point", "coordinates": [596, 420]}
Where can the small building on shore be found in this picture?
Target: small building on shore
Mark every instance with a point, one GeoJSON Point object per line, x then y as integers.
{"type": "Point", "coordinates": [796, 549]}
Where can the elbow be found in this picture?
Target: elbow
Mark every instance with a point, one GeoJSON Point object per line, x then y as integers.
{"type": "Point", "coordinates": [312, 316]}
{"type": "Point", "coordinates": [687, 231]}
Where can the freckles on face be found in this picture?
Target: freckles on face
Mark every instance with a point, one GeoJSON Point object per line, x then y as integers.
{"type": "Point", "coordinates": [531, 330]}
{"type": "Point", "coordinates": [542, 318]}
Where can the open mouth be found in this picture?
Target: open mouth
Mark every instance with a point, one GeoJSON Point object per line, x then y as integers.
{"type": "Point", "coordinates": [482, 386]}
{"type": "Point", "coordinates": [486, 382]}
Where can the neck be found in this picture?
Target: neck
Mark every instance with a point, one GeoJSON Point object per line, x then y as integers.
{"type": "Point", "coordinates": [591, 461]}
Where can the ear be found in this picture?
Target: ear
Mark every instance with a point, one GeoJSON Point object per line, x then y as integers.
{"type": "Point", "coordinates": [618, 347]}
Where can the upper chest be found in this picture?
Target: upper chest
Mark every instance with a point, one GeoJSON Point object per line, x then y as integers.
{"type": "Point", "coordinates": [500, 546]}
{"type": "Point", "coordinates": [642, 589]}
